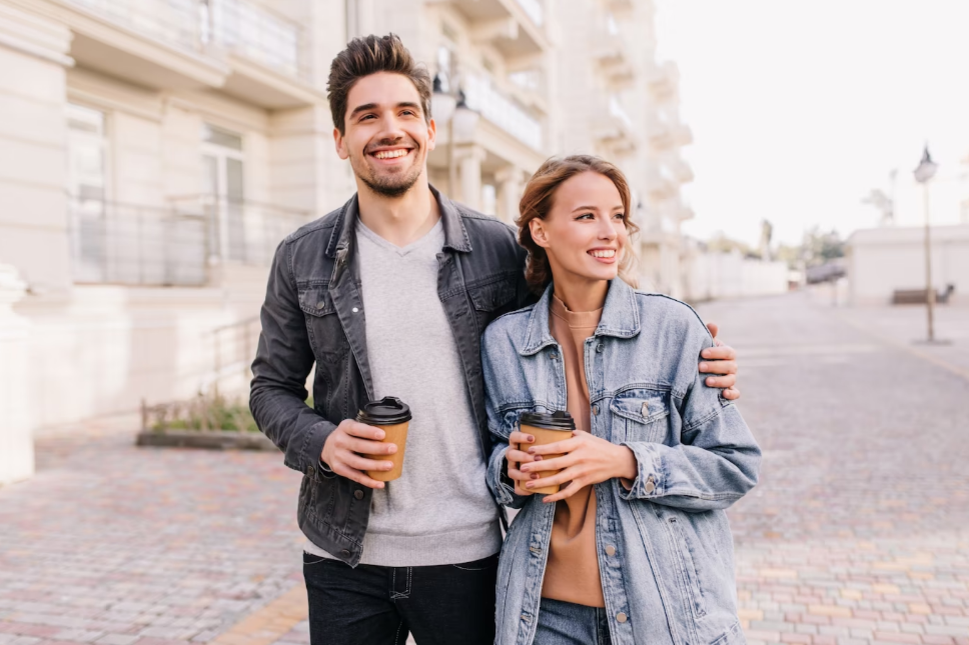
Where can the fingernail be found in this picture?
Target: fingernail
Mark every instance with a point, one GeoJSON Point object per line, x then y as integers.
{"type": "Point", "coordinates": [529, 485]}
{"type": "Point", "coordinates": [534, 475]}
{"type": "Point", "coordinates": [531, 451]}
{"type": "Point", "coordinates": [703, 366]}
{"type": "Point", "coordinates": [380, 435]}
{"type": "Point", "coordinates": [705, 353]}
{"type": "Point", "coordinates": [538, 457]}
{"type": "Point", "coordinates": [529, 438]}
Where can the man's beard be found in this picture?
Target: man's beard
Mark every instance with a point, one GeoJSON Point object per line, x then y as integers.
{"type": "Point", "coordinates": [390, 185]}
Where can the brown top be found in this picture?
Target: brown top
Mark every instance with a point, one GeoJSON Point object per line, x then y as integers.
{"type": "Point", "coordinates": [572, 572]}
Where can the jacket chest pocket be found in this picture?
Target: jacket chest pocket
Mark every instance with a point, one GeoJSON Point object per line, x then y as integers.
{"type": "Point", "coordinates": [640, 415]}
{"type": "Point", "coordinates": [323, 326]}
{"type": "Point", "coordinates": [493, 299]}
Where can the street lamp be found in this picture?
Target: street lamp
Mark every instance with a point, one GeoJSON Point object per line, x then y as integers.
{"type": "Point", "coordinates": [450, 108]}
{"type": "Point", "coordinates": [923, 174]}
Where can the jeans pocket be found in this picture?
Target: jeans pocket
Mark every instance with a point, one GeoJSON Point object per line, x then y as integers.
{"type": "Point", "coordinates": [310, 559]}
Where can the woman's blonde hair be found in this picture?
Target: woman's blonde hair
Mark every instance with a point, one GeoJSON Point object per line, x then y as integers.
{"type": "Point", "coordinates": [537, 203]}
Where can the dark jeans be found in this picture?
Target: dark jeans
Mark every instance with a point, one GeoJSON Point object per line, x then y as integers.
{"type": "Point", "coordinates": [370, 605]}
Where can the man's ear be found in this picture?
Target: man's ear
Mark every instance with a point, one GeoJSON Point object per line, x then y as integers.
{"type": "Point", "coordinates": [537, 228]}
{"type": "Point", "coordinates": [431, 135]}
{"type": "Point", "coordinates": [340, 143]}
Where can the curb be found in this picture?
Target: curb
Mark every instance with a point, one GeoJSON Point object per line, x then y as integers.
{"type": "Point", "coordinates": [206, 440]}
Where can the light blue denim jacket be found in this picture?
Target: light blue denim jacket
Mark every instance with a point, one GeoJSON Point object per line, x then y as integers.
{"type": "Point", "coordinates": [664, 547]}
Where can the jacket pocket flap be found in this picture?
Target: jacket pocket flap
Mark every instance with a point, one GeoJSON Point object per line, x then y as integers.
{"type": "Point", "coordinates": [641, 406]}
{"type": "Point", "coordinates": [489, 297]}
{"type": "Point", "coordinates": [316, 300]}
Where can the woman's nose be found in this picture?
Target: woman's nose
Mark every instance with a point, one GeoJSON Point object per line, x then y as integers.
{"type": "Point", "coordinates": [607, 230]}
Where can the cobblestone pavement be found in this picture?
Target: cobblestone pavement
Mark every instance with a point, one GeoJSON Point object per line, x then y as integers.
{"type": "Point", "coordinates": [857, 535]}
{"type": "Point", "coordinates": [859, 530]}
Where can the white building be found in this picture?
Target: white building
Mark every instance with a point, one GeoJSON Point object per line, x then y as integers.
{"type": "Point", "coordinates": [883, 260]}
{"type": "Point", "coordinates": [155, 151]}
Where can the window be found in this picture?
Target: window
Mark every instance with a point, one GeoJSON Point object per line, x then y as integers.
{"type": "Point", "coordinates": [223, 189]}
{"type": "Point", "coordinates": [86, 187]}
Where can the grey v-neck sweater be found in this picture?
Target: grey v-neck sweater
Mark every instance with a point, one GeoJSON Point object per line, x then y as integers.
{"type": "Point", "coordinates": [440, 510]}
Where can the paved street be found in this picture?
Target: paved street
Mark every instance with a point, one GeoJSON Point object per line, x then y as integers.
{"type": "Point", "coordinates": [858, 533]}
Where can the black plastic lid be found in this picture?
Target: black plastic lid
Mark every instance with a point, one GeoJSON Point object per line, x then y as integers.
{"type": "Point", "coordinates": [387, 411]}
{"type": "Point", "coordinates": [559, 420]}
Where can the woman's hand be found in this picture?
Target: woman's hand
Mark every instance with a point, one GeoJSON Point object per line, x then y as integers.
{"type": "Point", "coordinates": [515, 457]}
{"type": "Point", "coordinates": [590, 460]}
{"type": "Point", "coordinates": [722, 360]}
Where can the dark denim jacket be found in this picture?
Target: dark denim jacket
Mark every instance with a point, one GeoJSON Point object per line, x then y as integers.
{"type": "Point", "coordinates": [313, 313]}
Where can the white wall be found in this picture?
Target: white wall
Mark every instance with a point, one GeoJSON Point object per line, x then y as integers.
{"type": "Point", "coordinates": [730, 275]}
{"type": "Point", "coordinates": [883, 260]}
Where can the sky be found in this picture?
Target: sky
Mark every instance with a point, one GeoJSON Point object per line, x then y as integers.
{"type": "Point", "coordinates": [800, 107]}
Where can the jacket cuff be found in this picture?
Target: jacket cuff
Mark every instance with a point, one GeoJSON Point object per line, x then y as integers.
{"type": "Point", "coordinates": [312, 452]}
{"type": "Point", "coordinates": [504, 494]}
{"type": "Point", "coordinates": [648, 482]}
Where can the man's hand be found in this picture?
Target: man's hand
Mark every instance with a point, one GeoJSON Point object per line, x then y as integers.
{"type": "Point", "coordinates": [589, 460]}
{"type": "Point", "coordinates": [345, 445]}
{"type": "Point", "coordinates": [722, 360]}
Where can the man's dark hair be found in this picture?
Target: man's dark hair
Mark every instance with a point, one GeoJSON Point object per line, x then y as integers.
{"type": "Point", "coordinates": [366, 56]}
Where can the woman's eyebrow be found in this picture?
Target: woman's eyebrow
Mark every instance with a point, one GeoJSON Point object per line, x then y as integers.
{"type": "Point", "coordinates": [584, 208]}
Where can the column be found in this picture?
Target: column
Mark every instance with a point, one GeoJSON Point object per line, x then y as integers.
{"type": "Point", "coordinates": [34, 233]}
{"type": "Point", "coordinates": [16, 429]}
{"type": "Point", "coordinates": [469, 160]}
{"type": "Point", "coordinates": [510, 185]}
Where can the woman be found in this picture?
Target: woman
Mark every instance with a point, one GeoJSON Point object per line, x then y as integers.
{"type": "Point", "coordinates": [635, 547]}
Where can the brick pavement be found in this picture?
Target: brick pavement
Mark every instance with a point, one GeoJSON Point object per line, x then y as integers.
{"type": "Point", "coordinates": [857, 535]}
{"type": "Point", "coordinates": [859, 531]}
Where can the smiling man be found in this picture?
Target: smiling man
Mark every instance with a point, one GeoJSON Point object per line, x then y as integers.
{"type": "Point", "coordinates": [388, 296]}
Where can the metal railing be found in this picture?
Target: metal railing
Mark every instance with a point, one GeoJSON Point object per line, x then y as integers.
{"type": "Point", "coordinates": [246, 232]}
{"type": "Point", "coordinates": [136, 245]}
{"type": "Point", "coordinates": [172, 246]}
{"type": "Point", "coordinates": [501, 110]}
{"type": "Point", "coordinates": [256, 33]}
{"type": "Point", "coordinates": [172, 21]}
{"type": "Point", "coordinates": [240, 26]}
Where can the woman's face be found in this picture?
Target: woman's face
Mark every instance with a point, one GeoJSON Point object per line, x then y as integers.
{"type": "Point", "coordinates": [584, 234]}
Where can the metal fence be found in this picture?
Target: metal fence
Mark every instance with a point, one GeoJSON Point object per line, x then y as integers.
{"type": "Point", "coordinates": [240, 26]}
{"type": "Point", "coordinates": [172, 246]}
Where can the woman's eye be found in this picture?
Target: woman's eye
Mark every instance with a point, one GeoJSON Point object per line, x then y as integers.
{"type": "Point", "coordinates": [621, 216]}
{"type": "Point", "coordinates": [586, 216]}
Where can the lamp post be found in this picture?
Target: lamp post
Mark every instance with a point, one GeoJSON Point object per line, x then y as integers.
{"type": "Point", "coordinates": [923, 174]}
{"type": "Point", "coordinates": [449, 107]}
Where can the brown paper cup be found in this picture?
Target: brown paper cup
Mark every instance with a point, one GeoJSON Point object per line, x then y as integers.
{"type": "Point", "coordinates": [544, 436]}
{"type": "Point", "coordinates": [396, 434]}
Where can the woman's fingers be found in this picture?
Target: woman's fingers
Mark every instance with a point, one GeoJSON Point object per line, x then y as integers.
{"type": "Point", "coordinates": [518, 457]}
{"type": "Point", "coordinates": [557, 479]}
{"type": "Point", "coordinates": [565, 493]}
{"type": "Point", "coordinates": [719, 353]}
{"type": "Point", "coordinates": [521, 438]}
{"type": "Point", "coordinates": [731, 394]}
{"type": "Point", "coordinates": [559, 447]}
{"type": "Point", "coordinates": [719, 367]}
{"type": "Point", "coordinates": [545, 464]}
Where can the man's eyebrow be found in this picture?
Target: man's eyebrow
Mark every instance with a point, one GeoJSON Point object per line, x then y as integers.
{"type": "Point", "coordinates": [372, 106]}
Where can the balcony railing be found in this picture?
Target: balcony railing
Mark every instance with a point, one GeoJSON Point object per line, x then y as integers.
{"type": "Point", "coordinates": [172, 246]}
{"type": "Point", "coordinates": [172, 21]}
{"type": "Point", "coordinates": [502, 111]}
{"type": "Point", "coordinates": [240, 26]}
{"type": "Point", "coordinates": [256, 33]}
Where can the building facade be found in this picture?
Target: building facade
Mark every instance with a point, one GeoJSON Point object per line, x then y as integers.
{"type": "Point", "coordinates": [155, 152]}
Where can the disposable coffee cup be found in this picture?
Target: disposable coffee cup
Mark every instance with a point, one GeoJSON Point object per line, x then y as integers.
{"type": "Point", "coordinates": [547, 428]}
{"type": "Point", "coordinates": [391, 415]}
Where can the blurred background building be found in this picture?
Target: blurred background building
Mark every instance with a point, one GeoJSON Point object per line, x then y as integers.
{"type": "Point", "coordinates": [156, 151]}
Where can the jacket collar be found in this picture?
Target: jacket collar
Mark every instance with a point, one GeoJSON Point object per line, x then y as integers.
{"type": "Point", "coordinates": [620, 317]}
{"type": "Point", "coordinates": [455, 234]}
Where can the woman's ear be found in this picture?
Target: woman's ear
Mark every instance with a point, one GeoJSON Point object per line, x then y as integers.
{"type": "Point", "coordinates": [539, 235]}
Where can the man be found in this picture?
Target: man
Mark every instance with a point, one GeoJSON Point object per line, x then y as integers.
{"type": "Point", "coordinates": [388, 296]}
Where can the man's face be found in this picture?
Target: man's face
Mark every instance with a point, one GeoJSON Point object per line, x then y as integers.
{"type": "Point", "coordinates": [387, 136]}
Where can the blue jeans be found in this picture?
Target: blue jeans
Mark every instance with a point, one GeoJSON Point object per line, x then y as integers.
{"type": "Point", "coordinates": [565, 623]}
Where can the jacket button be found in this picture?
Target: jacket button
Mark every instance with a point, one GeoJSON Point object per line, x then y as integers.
{"type": "Point", "coordinates": [610, 550]}
{"type": "Point", "coordinates": [321, 305]}
{"type": "Point", "coordinates": [645, 409]}
{"type": "Point", "coordinates": [621, 617]}
{"type": "Point", "coordinates": [358, 494]}
{"type": "Point", "coordinates": [554, 356]}
{"type": "Point", "coordinates": [599, 348]}
{"type": "Point", "coordinates": [650, 486]}
{"type": "Point", "coordinates": [595, 410]}
{"type": "Point", "coordinates": [354, 310]}
{"type": "Point", "coordinates": [345, 553]}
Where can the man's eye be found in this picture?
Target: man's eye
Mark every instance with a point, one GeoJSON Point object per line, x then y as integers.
{"type": "Point", "coordinates": [367, 116]}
